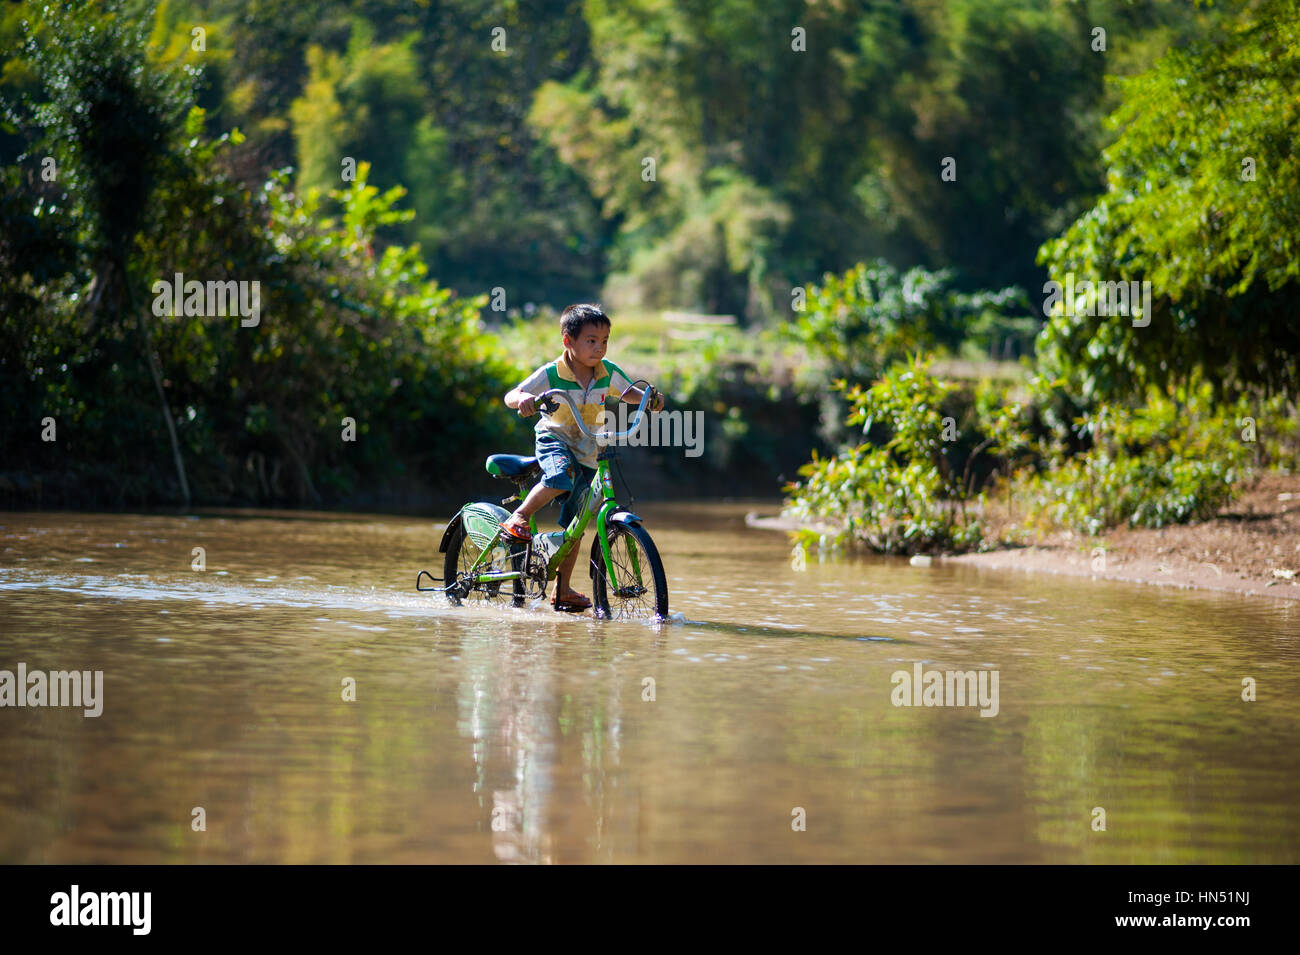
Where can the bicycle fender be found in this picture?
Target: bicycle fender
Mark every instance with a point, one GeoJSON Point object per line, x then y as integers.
{"type": "Point", "coordinates": [624, 517]}
{"type": "Point", "coordinates": [446, 535]}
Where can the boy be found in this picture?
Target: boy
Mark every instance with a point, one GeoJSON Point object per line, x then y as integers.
{"type": "Point", "coordinates": [566, 455]}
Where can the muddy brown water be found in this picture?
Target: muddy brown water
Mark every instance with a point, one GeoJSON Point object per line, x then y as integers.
{"type": "Point", "coordinates": [482, 735]}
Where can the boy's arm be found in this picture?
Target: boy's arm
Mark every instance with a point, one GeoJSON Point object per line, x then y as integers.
{"type": "Point", "coordinates": [632, 394]}
{"type": "Point", "coordinates": [523, 397]}
{"type": "Point", "coordinates": [633, 397]}
{"type": "Point", "coordinates": [521, 401]}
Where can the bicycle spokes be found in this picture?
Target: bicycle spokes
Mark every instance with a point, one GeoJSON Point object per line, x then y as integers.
{"type": "Point", "coordinates": [631, 583]}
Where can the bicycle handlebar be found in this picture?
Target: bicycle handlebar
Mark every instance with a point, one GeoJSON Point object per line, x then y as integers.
{"type": "Point", "coordinates": [547, 398]}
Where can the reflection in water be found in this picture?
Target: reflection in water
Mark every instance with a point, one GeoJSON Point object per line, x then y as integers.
{"type": "Point", "coordinates": [527, 736]}
{"type": "Point", "coordinates": [504, 704]}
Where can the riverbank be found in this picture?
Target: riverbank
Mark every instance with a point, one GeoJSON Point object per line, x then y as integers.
{"type": "Point", "coordinates": [1251, 547]}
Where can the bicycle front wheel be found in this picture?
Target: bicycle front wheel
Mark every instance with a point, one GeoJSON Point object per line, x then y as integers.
{"type": "Point", "coordinates": [639, 590]}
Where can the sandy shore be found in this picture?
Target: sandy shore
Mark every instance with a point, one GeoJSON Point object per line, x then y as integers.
{"type": "Point", "coordinates": [1251, 547]}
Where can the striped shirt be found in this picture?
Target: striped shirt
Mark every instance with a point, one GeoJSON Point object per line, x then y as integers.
{"type": "Point", "coordinates": [590, 400]}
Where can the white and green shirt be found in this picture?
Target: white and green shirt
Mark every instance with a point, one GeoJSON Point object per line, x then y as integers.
{"type": "Point", "coordinates": [590, 400]}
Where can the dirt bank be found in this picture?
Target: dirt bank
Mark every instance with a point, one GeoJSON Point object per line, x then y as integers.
{"type": "Point", "coordinates": [1251, 547]}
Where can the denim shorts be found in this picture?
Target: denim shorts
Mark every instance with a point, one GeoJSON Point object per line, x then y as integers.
{"type": "Point", "coordinates": [560, 469]}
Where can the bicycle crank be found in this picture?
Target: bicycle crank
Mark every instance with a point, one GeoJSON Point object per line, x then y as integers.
{"type": "Point", "coordinates": [535, 576]}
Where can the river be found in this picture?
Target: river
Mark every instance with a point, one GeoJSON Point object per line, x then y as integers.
{"type": "Point", "coordinates": [757, 725]}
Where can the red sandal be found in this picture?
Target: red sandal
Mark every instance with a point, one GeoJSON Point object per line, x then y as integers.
{"type": "Point", "coordinates": [517, 529]}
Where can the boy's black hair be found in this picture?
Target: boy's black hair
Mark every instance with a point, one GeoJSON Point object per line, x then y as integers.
{"type": "Point", "coordinates": [577, 317]}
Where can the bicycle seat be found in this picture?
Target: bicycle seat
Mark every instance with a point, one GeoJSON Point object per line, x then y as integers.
{"type": "Point", "coordinates": [509, 465]}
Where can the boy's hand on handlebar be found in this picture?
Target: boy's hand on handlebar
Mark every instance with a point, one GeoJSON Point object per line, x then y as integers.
{"type": "Point", "coordinates": [527, 406]}
{"type": "Point", "coordinates": [658, 402]}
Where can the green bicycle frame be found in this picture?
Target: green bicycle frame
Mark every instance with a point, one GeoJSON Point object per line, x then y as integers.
{"type": "Point", "coordinates": [600, 503]}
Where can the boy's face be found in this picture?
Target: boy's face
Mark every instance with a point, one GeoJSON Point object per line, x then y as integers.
{"type": "Point", "coordinates": [589, 347]}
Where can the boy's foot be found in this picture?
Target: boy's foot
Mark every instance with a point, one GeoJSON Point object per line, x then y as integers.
{"type": "Point", "coordinates": [516, 528]}
{"type": "Point", "coordinates": [571, 602]}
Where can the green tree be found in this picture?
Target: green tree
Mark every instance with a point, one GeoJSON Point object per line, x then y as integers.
{"type": "Point", "coordinates": [731, 114]}
{"type": "Point", "coordinates": [1203, 201]}
{"type": "Point", "coordinates": [108, 118]}
{"type": "Point", "coordinates": [873, 315]}
{"type": "Point", "coordinates": [365, 103]}
{"type": "Point", "coordinates": [257, 413]}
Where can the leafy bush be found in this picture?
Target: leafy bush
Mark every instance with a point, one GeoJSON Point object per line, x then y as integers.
{"type": "Point", "coordinates": [872, 315]}
{"type": "Point", "coordinates": [902, 496]}
{"type": "Point", "coordinates": [855, 324]}
{"type": "Point", "coordinates": [1178, 458]}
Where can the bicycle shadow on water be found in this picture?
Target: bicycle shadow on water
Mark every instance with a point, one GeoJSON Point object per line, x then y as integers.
{"type": "Point", "coordinates": [758, 630]}
{"type": "Point", "coordinates": [500, 613]}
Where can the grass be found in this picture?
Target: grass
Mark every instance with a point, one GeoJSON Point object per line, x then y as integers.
{"type": "Point", "coordinates": [641, 344]}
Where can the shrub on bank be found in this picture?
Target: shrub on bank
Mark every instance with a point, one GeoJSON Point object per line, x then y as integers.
{"type": "Point", "coordinates": [903, 494]}
{"type": "Point", "coordinates": [1179, 457]}
{"type": "Point", "coordinates": [937, 456]}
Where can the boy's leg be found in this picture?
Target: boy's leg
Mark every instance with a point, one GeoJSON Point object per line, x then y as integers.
{"type": "Point", "coordinates": [553, 458]}
{"type": "Point", "coordinates": [516, 525]}
{"type": "Point", "coordinates": [578, 498]}
{"type": "Point", "coordinates": [537, 498]}
{"type": "Point", "coordinates": [564, 576]}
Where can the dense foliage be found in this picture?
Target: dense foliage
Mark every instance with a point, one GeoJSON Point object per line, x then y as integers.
{"type": "Point", "coordinates": [1141, 418]}
{"type": "Point", "coordinates": [1202, 200]}
{"type": "Point", "coordinates": [872, 315]}
{"type": "Point", "coordinates": [1179, 456]}
{"type": "Point", "coordinates": [351, 342]}
{"type": "Point", "coordinates": [902, 494]}
{"type": "Point", "coordinates": [790, 139]}
{"type": "Point", "coordinates": [868, 179]}
{"type": "Point", "coordinates": [794, 138]}
{"type": "Point", "coordinates": [1176, 458]}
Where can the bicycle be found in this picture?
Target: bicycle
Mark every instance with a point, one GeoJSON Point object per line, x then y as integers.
{"type": "Point", "coordinates": [628, 580]}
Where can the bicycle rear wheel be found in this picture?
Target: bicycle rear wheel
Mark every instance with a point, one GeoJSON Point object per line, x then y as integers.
{"type": "Point", "coordinates": [461, 554]}
{"type": "Point", "coordinates": [639, 590]}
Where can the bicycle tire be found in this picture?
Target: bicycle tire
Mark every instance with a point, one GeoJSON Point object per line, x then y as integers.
{"type": "Point", "coordinates": [627, 606]}
{"type": "Point", "coordinates": [452, 570]}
